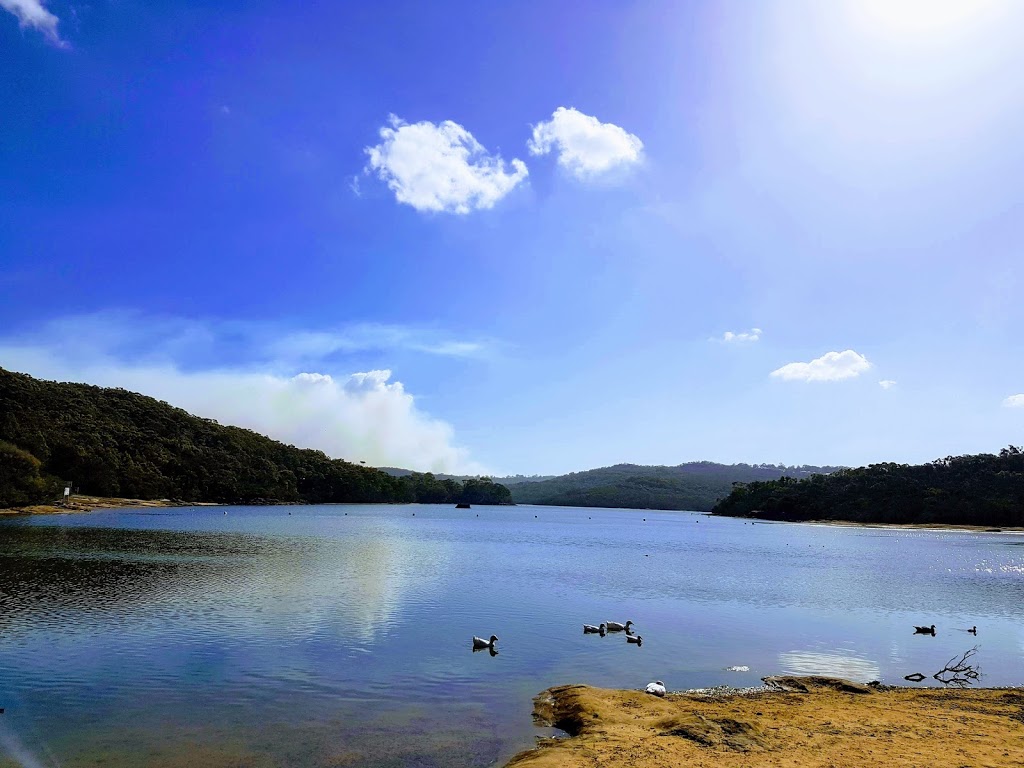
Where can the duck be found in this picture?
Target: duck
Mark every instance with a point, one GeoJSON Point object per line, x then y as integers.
{"type": "Point", "coordinates": [924, 630]}
{"type": "Point", "coordinates": [590, 629]}
{"type": "Point", "coordinates": [479, 643]}
{"type": "Point", "coordinates": [614, 626]}
{"type": "Point", "coordinates": [657, 688]}
{"type": "Point", "coordinates": [973, 630]}
{"type": "Point", "coordinates": [634, 639]}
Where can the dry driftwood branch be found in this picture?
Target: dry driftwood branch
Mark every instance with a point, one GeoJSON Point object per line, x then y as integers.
{"type": "Point", "coordinates": [958, 672]}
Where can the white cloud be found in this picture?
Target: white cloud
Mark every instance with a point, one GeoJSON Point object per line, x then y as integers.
{"type": "Point", "coordinates": [586, 147]}
{"type": "Point", "coordinates": [32, 13]}
{"type": "Point", "coordinates": [887, 383]}
{"type": "Point", "coordinates": [440, 167]}
{"type": "Point", "coordinates": [361, 416]}
{"type": "Point", "coordinates": [1014, 401]}
{"type": "Point", "coordinates": [306, 345]}
{"type": "Point", "coordinates": [135, 336]}
{"type": "Point", "coordinates": [832, 366]}
{"type": "Point", "coordinates": [743, 337]}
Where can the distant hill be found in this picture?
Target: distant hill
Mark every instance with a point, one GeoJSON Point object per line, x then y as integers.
{"type": "Point", "coordinates": [984, 490]}
{"type": "Point", "coordinates": [508, 481]}
{"type": "Point", "coordinates": [696, 485]}
{"type": "Point", "coordinates": [110, 442]}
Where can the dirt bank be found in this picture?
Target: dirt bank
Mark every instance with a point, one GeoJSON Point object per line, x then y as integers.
{"type": "Point", "coordinates": [817, 722]}
{"type": "Point", "coordinates": [90, 503]}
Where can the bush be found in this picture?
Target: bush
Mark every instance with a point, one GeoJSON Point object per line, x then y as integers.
{"type": "Point", "coordinates": [20, 480]}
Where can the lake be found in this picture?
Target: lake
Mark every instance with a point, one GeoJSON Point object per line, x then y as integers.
{"type": "Point", "coordinates": [340, 635]}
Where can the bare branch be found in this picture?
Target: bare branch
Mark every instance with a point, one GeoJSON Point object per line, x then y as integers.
{"type": "Point", "coordinates": [958, 672]}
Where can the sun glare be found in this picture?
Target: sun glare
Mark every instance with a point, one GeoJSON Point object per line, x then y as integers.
{"type": "Point", "coordinates": [925, 18]}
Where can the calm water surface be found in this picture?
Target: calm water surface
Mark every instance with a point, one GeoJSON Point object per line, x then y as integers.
{"type": "Point", "coordinates": [339, 635]}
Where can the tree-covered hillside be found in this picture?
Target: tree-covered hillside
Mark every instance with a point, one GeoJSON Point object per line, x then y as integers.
{"type": "Point", "coordinates": [959, 490]}
{"type": "Point", "coordinates": [508, 480]}
{"type": "Point", "coordinates": [697, 485]}
{"type": "Point", "coordinates": [110, 442]}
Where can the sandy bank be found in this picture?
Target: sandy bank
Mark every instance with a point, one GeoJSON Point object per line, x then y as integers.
{"type": "Point", "coordinates": [829, 723]}
{"type": "Point", "coordinates": [90, 503]}
{"type": "Point", "coordinates": [919, 526]}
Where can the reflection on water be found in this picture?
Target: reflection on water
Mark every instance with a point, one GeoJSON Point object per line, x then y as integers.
{"type": "Point", "coordinates": [829, 664]}
{"type": "Point", "coordinates": [328, 636]}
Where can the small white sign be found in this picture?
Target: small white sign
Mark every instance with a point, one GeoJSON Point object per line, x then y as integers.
{"type": "Point", "coordinates": [67, 492]}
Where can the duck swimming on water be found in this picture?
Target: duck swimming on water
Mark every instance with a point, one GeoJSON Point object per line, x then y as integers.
{"type": "Point", "coordinates": [614, 626]}
{"type": "Point", "coordinates": [635, 639]}
{"type": "Point", "coordinates": [924, 630]}
{"type": "Point", "coordinates": [479, 643]}
{"type": "Point", "coordinates": [590, 629]}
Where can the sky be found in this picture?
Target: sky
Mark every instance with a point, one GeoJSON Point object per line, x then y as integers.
{"type": "Point", "coordinates": [527, 237]}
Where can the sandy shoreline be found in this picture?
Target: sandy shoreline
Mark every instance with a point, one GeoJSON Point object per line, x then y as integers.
{"type": "Point", "coordinates": [91, 503]}
{"type": "Point", "coordinates": [912, 526]}
{"type": "Point", "coordinates": [828, 723]}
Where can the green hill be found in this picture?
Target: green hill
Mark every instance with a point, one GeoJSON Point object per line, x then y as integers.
{"type": "Point", "coordinates": [696, 485]}
{"type": "Point", "coordinates": [110, 442]}
{"type": "Point", "coordinates": [984, 490]}
{"type": "Point", "coordinates": [508, 480]}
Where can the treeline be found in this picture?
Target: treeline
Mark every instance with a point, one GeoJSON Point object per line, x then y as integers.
{"type": "Point", "coordinates": [110, 442]}
{"type": "Point", "coordinates": [984, 490]}
{"type": "Point", "coordinates": [695, 485]}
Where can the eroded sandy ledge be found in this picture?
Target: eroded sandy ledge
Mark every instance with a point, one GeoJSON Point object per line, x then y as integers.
{"type": "Point", "coordinates": [817, 722]}
{"type": "Point", "coordinates": [79, 503]}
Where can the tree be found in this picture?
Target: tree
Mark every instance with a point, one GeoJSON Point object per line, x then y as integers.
{"type": "Point", "coordinates": [20, 480]}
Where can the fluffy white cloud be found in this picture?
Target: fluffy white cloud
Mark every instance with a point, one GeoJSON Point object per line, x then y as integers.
{"type": "Point", "coordinates": [832, 366]}
{"type": "Point", "coordinates": [1014, 401]}
{"type": "Point", "coordinates": [362, 416]}
{"type": "Point", "coordinates": [743, 337]}
{"type": "Point", "coordinates": [586, 146]}
{"type": "Point", "coordinates": [440, 167]}
{"type": "Point", "coordinates": [32, 13]}
{"type": "Point", "coordinates": [887, 383]}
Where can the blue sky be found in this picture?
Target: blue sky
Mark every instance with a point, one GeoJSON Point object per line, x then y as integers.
{"type": "Point", "coordinates": [527, 237]}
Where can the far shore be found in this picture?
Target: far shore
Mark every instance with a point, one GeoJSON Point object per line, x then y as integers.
{"type": "Point", "coordinates": [913, 526]}
{"type": "Point", "coordinates": [808, 721]}
{"type": "Point", "coordinates": [79, 503]}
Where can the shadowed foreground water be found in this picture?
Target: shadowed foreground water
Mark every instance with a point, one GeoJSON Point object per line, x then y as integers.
{"type": "Point", "coordinates": [340, 635]}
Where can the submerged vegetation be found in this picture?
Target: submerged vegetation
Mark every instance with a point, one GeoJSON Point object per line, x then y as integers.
{"type": "Point", "coordinates": [985, 489]}
{"type": "Point", "coordinates": [111, 442]}
{"type": "Point", "coordinates": [696, 485]}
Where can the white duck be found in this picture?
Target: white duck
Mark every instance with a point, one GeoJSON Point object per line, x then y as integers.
{"type": "Point", "coordinates": [634, 639]}
{"type": "Point", "coordinates": [590, 629]}
{"type": "Point", "coordinates": [480, 643]}
{"type": "Point", "coordinates": [614, 626]}
{"type": "Point", "coordinates": [657, 688]}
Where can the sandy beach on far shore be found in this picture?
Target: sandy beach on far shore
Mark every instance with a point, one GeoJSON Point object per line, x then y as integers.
{"type": "Point", "coordinates": [79, 503]}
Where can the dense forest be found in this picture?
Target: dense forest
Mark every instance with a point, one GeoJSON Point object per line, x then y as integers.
{"type": "Point", "coordinates": [110, 442]}
{"type": "Point", "coordinates": [966, 490]}
{"type": "Point", "coordinates": [696, 485]}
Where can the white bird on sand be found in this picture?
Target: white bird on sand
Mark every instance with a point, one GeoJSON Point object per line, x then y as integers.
{"type": "Point", "coordinates": [634, 639]}
{"type": "Point", "coordinates": [479, 642]}
{"type": "Point", "coordinates": [590, 629]}
{"type": "Point", "coordinates": [656, 688]}
{"type": "Point", "coordinates": [614, 626]}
